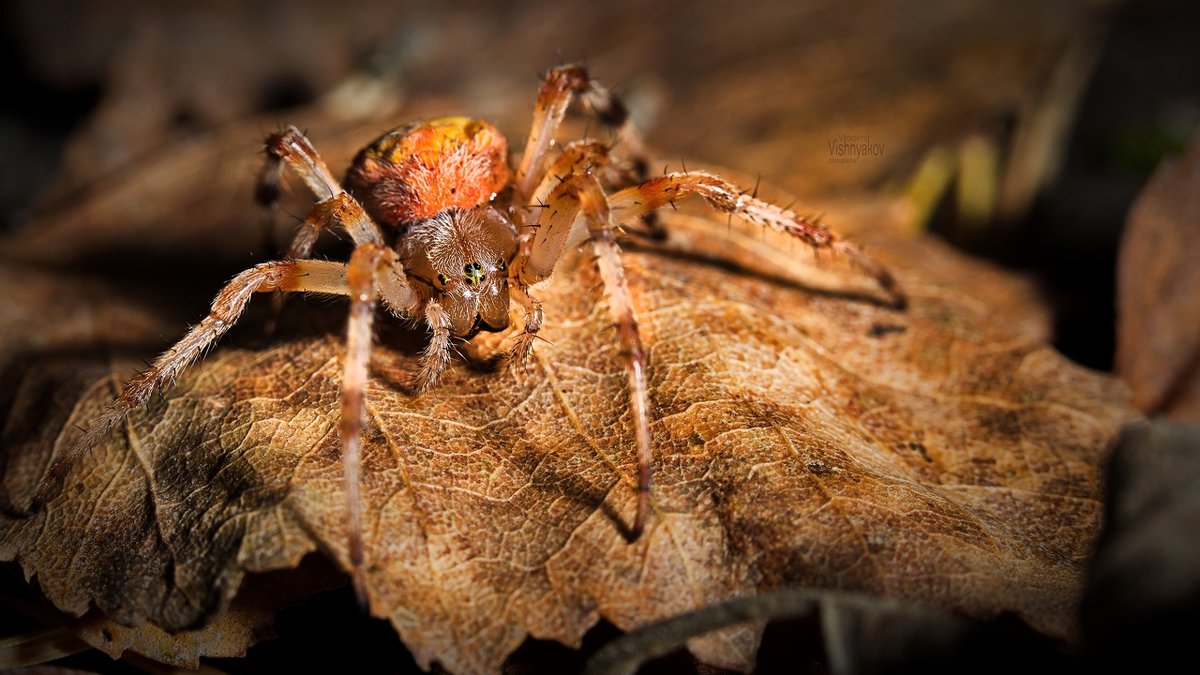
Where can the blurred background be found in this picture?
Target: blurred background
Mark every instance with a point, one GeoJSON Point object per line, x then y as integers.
{"type": "Point", "coordinates": [1021, 131]}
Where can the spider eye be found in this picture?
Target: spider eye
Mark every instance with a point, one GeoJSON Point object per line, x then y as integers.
{"type": "Point", "coordinates": [474, 272]}
{"type": "Point", "coordinates": [443, 279]}
{"type": "Point", "coordinates": [501, 265]}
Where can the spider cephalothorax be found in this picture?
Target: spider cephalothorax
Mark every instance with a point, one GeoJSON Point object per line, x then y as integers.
{"type": "Point", "coordinates": [447, 233]}
{"type": "Point", "coordinates": [464, 256]}
{"type": "Point", "coordinates": [433, 184]}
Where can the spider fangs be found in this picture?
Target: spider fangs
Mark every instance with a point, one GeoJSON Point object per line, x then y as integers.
{"type": "Point", "coordinates": [446, 232]}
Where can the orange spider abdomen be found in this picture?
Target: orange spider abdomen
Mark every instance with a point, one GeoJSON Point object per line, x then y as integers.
{"type": "Point", "coordinates": [414, 172]}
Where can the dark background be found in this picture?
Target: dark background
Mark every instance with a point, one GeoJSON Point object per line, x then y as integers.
{"type": "Point", "coordinates": [758, 87]}
{"type": "Point", "coordinates": [97, 87]}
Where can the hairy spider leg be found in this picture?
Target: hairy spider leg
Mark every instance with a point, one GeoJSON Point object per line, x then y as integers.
{"type": "Point", "coordinates": [312, 276]}
{"type": "Point", "coordinates": [372, 261]}
{"type": "Point", "coordinates": [334, 205]}
{"type": "Point", "coordinates": [383, 277]}
{"type": "Point", "coordinates": [725, 197]}
{"type": "Point", "coordinates": [560, 85]}
{"type": "Point", "coordinates": [583, 156]}
{"type": "Point", "coordinates": [534, 180]}
{"type": "Point", "coordinates": [522, 347]}
{"type": "Point", "coordinates": [580, 197]}
{"type": "Point", "coordinates": [373, 271]}
{"type": "Point", "coordinates": [647, 196]}
{"type": "Point", "coordinates": [436, 358]}
{"type": "Point", "coordinates": [544, 241]}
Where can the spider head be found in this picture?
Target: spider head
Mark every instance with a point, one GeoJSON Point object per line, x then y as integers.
{"type": "Point", "coordinates": [464, 254]}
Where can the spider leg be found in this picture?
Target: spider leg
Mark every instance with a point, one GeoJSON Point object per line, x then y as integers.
{"type": "Point", "coordinates": [534, 182]}
{"type": "Point", "coordinates": [584, 156]}
{"type": "Point", "coordinates": [334, 206]}
{"type": "Point", "coordinates": [722, 195]}
{"type": "Point", "coordinates": [373, 271]}
{"type": "Point", "coordinates": [587, 156]}
{"type": "Point", "coordinates": [559, 87]}
{"type": "Point", "coordinates": [580, 197]}
{"type": "Point", "coordinates": [311, 275]}
{"type": "Point", "coordinates": [339, 211]}
{"type": "Point", "coordinates": [578, 157]}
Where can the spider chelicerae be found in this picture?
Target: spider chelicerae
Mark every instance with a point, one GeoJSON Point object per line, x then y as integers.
{"type": "Point", "coordinates": [447, 232]}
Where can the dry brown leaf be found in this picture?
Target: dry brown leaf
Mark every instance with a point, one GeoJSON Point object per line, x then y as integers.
{"type": "Point", "coordinates": [89, 310]}
{"type": "Point", "coordinates": [1158, 325]}
{"type": "Point", "coordinates": [803, 434]}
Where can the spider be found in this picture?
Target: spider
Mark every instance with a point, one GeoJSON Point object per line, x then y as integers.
{"type": "Point", "coordinates": [448, 232]}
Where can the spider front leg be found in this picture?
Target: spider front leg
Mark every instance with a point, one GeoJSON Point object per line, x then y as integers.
{"type": "Point", "coordinates": [584, 156]}
{"type": "Point", "coordinates": [724, 196]}
{"type": "Point", "coordinates": [578, 157]}
{"type": "Point", "coordinates": [373, 271]}
{"type": "Point", "coordinates": [581, 195]}
{"type": "Point", "coordinates": [313, 276]}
